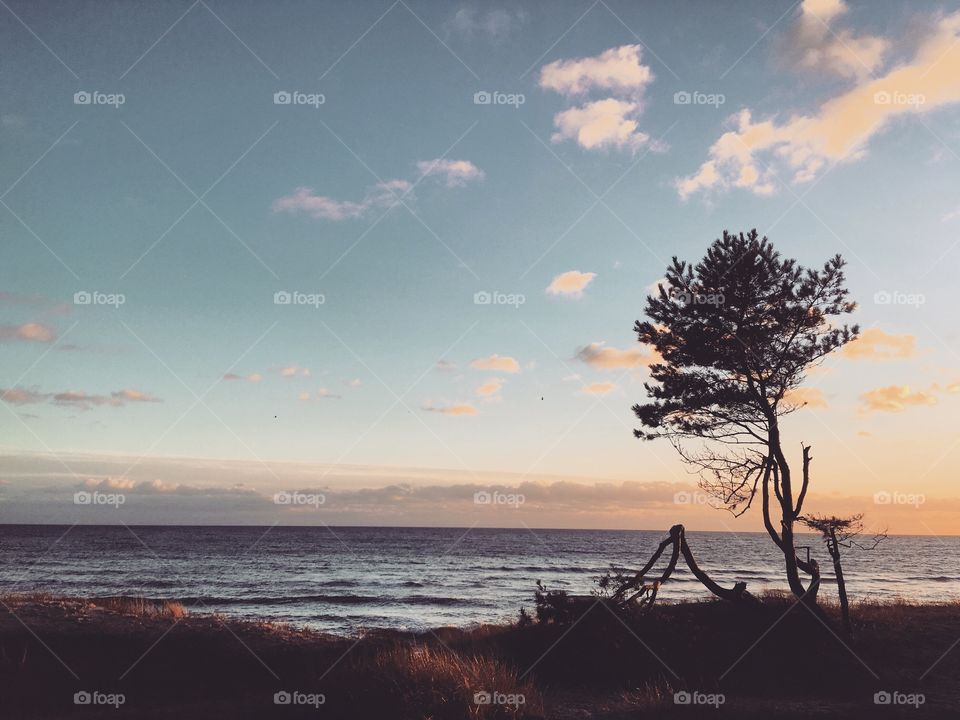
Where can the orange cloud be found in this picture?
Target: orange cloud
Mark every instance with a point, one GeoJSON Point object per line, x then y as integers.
{"type": "Point", "coordinates": [597, 355]}
{"type": "Point", "coordinates": [571, 283]}
{"type": "Point", "coordinates": [875, 344]}
{"type": "Point", "coordinates": [840, 129]}
{"type": "Point", "coordinates": [598, 388]}
{"type": "Point", "coordinates": [459, 410]}
{"type": "Point", "coordinates": [895, 398]}
{"type": "Point", "coordinates": [253, 377]}
{"type": "Point", "coordinates": [496, 363]}
{"type": "Point", "coordinates": [809, 397]}
{"type": "Point", "coordinates": [490, 388]}
{"type": "Point", "coordinates": [28, 332]}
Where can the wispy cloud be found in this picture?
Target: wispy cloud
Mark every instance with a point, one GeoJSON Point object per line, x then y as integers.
{"type": "Point", "coordinates": [895, 398]}
{"type": "Point", "coordinates": [383, 195]}
{"type": "Point", "coordinates": [457, 410]}
{"type": "Point", "coordinates": [496, 24]}
{"type": "Point", "coordinates": [28, 332]}
{"type": "Point", "coordinates": [496, 363]}
{"type": "Point", "coordinates": [252, 377]}
{"type": "Point", "coordinates": [598, 388]}
{"type": "Point", "coordinates": [76, 398]}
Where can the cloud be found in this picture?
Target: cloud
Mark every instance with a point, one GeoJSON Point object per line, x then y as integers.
{"type": "Point", "coordinates": [28, 332]}
{"type": "Point", "coordinates": [490, 388]}
{"type": "Point", "coordinates": [598, 388]}
{"type": "Point", "coordinates": [875, 344]}
{"type": "Point", "coordinates": [617, 70]}
{"type": "Point", "coordinates": [383, 195]}
{"type": "Point", "coordinates": [458, 410]}
{"type": "Point", "coordinates": [356, 382]}
{"type": "Point", "coordinates": [571, 283]}
{"type": "Point", "coordinates": [294, 371]}
{"type": "Point", "coordinates": [252, 377]}
{"type": "Point", "coordinates": [321, 394]}
{"type": "Point", "coordinates": [840, 129]}
{"type": "Point", "coordinates": [456, 173]}
{"type": "Point", "coordinates": [76, 398]}
{"type": "Point", "coordinates": [497, 24]}
{"type": "Point", "coordinates": [809, 397]}
{"type": "Point", "coordinates": [609, 121]}
{"type": "Point", "coordinates": [813, 43]}
{"type": "Point", "coordinates": [895, 398]}
{"type": "Point", "coordinates": [598, 355]}
{"type": "Point", "coordinates": [496, 363]}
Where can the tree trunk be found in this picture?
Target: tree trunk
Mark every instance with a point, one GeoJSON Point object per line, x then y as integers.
{"type": "Point", "coordinates": [834, 549]}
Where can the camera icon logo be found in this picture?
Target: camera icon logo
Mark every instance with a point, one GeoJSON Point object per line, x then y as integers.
{"type": "Point", "coordinates": [882, 498]}
{"type": "Point", "coordinates": [82, 97]}
{"type": "Point", "coordinates": [682, 498]}
{"type": "Point", "coordinates": [682, 97]}
{"type": "Point", "coordinates": [482, 698]}
{"type": "Point", "coordinates": [82, 298]}
{"type": "Point", "coordinates": [82, 497]}
{"type": "Point", "coordinates": [482, 298]}
{"type": "Point", "coordinates": [282, 697]}
{"type": "Point", "coordinates": [283, 498]}
{"type": "Point", "coordinates": [882, 698]}
{"type": "Point", "coordinates": [482, 497]}
{"type": "Point", "coordinates": [82, 698]}
{"type": "Point", "coordinates": [881, 97]}
{"type": "Point", "coordinates": [282, 98]}
{"type": "Point", "coordinates": [682, 698]}
{"type": "Point", "coordinates": [282, 297]}
{"type": "Point", "coordinates": [482, 98]}
{"type": "Point", "coordinates": [882, 298]}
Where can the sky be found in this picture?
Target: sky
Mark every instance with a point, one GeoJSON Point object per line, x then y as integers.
{"type": "Point", "coordinates": [355, 263]}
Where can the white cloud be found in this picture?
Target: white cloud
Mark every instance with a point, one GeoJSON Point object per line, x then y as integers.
{"type": "Point", "coordinates": [617, 70]}
{"type": "Point", "coordinates": [456, 173]}
{"type": "Point", "coordinates": [611, 121]}
{"type": "Point", "coordinates": [497, 24]}
{"type": "Point", "coordinates": [571, 283]}
{"type": "Point", "coordinates": [840, 129]}
{"type": "Point", "coordinates": [383, 195]}
{"type": "Point", "coordinates": [814, 44]}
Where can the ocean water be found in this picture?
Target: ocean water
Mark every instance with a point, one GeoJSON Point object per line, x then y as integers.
{"type": "Point", "coordinates": [345, 580]}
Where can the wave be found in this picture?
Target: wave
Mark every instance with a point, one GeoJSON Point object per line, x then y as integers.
{"type": "Point", "coordinates": [332, 600]}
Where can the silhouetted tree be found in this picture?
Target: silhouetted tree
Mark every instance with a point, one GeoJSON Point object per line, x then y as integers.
{"type": "Point", "coordinates": [837, 533]}
{"type": "Point", "coordinates": [736, 334]}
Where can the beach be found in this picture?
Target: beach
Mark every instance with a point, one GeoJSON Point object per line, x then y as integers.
{"type": "Point", "coordinates": [116, 658]}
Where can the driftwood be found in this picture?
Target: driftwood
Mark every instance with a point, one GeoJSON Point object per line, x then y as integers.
{"type": "Point", "coordinates": [635, 589]}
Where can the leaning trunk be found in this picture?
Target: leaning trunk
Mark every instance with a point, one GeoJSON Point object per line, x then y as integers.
{"type": "Point", "coordinates": [834, 549]}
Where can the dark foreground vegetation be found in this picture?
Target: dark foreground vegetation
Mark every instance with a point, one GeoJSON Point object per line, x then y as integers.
{"type": "Point", "coordinates": [142, 659]}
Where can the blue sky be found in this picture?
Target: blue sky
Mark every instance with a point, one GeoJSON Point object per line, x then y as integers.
{"type": "Point", "coordinates": [399, 198]}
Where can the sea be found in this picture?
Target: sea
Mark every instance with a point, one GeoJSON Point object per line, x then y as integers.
{"type": "Point", "coordinates": [348, 580]}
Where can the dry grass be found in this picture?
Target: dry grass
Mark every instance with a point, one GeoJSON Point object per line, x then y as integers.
{"type": "Point", "coordinates": [142, 607]}
{"type": "Point", "coordinates": [443, 684]}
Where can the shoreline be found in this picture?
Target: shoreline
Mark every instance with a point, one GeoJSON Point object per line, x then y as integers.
{"type": "Point", "coordinates": [774, 660]}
